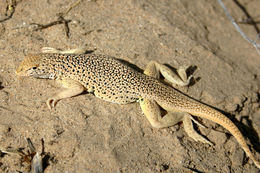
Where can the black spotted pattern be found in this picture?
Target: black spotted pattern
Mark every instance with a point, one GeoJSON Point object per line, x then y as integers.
{"type": "Point", "coordinates": [106, 76]}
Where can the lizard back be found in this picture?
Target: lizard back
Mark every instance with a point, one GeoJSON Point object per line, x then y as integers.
{"type": "Point", "coordinates": [109, 78]}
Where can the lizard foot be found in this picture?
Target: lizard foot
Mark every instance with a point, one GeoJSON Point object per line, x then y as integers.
{"type": "Point", "coordinates": [51, 102]}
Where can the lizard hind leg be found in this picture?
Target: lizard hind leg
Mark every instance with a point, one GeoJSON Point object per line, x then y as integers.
{"type": "Point", "coordinates": [152, 112]}
{"type": "Point", "coordinates": [70, 51]}
{"type": "Point", "coordinates": [70, 88]}
{"type": "Point", "coordinates": [179, 77]}
{"type": "Point", "coordinates": [189, 129]}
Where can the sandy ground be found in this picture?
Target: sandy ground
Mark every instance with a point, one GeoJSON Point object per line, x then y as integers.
{"type": "Point", "coordinates": [86, 134]}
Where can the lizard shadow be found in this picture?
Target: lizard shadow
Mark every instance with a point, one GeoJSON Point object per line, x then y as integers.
{"type": "Point", "coordinates": [1, 87]}
{"type": "Point", "coordinates": [133, 66]}
{"type": "Point", "coordinates": [89, 51]}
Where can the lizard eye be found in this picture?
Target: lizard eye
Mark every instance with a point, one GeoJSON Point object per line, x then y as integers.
{"type": "Point", "coordinates": [34, 68]}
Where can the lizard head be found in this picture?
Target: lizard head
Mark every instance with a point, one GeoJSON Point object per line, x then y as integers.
{"type": "Point", "coordinates": [28, 65]}
{"type": "Point", "coordinates": [32, 66]}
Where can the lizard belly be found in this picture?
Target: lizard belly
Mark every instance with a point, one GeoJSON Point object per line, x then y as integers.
{"type": "Point", "coordinates": [119, 98]}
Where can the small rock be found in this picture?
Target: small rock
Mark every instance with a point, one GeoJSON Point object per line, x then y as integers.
{"type": "Point", "coordinates": [4, 96]}
{"type": "Point", "coordinates": [219, 138]}
{"type": "Point", "coordinates": [233, 103]}
{"type": "Point", "coordinates": [231, 107]}
{"type": "Point", "coordinates": [236, 152]}
{"type": "Point", "coordinates": [4, 129]}
{"type": "Point", "coordinates": [237, 157]}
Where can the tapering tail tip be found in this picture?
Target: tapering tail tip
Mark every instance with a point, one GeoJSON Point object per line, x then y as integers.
{"type": "Point", "coordinates": [221, 119]}
{"type": "Point", "coordinates": [257, 163]}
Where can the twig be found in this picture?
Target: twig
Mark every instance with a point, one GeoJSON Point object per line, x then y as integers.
{"type": "Point", "coordinates": [250, 20]}
{"type": "Point", "coordinates": [253, 42]}
{"type": "Point", "coordinates": [60, 20]}
{"type": "Point", "coordinates": [10, 8]}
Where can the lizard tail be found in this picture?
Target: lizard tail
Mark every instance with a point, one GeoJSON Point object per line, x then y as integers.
{"type": "Point", "coordinates": [213, 115]}
{"type": "Point", "coordinates": [177, 102]}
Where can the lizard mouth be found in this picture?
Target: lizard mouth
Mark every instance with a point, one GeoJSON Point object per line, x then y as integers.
{"type": "Point", "coordinates": [19, 72]}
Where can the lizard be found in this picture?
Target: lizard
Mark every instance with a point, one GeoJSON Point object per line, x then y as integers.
{"type": "Point", "coordinates": [113, 80]}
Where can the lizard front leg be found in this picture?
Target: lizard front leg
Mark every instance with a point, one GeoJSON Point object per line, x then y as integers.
{"type": "Point", "coordinates": [70, 51]}
{"type": "Point", "coordinates": [70, 88]}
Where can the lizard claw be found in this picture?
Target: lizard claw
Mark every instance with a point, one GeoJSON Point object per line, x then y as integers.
{"type": "Point", "coordinates": [51, 102]}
